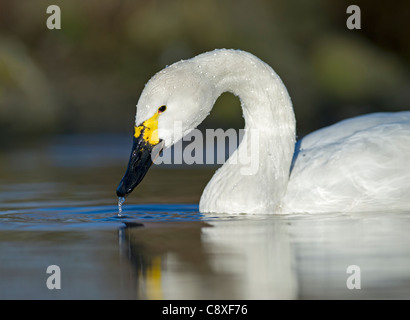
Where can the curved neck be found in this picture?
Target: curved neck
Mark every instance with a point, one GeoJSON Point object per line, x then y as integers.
{"type": "Point", "coordinates": [269, 137]}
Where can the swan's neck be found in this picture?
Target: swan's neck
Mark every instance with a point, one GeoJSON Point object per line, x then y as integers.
{"type": "Point", "coordinates": [255, 178]}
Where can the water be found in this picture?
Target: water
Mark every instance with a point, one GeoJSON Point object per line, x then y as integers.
{"type": "Point", "coordinates": [58, 207]}
{"type": "Point", "coordinates": [121, 200]}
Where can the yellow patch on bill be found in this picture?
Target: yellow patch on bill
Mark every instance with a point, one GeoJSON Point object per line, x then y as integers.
{"type": "Point", "coordinates": [149, 129]}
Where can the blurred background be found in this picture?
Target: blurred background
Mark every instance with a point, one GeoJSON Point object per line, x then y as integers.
{"type": "Point", "coordinates": [86, 78]}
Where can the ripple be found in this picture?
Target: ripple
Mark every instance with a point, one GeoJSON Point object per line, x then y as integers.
{"type": "Point", "coordinates": [95, 216]}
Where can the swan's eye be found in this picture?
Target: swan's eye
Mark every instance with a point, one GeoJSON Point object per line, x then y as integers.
{"type": "Point", "coordinates": [162, 109]}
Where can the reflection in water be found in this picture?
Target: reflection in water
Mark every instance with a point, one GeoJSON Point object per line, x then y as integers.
{"type": "Point", "coordinates": [166, 257]}
{"type": "Point", "coordinates": [58, 208]}
{"type": "Point", "coordinates": [255, 254]}
{"type": "Point", "coordinates": [216, 259]}
{"type": "Point", "coordinates": [180, 254]}
{"type": "Point", "coordinates": [326, 245]}
{"type": "Point", "coordinates": [272, 257]}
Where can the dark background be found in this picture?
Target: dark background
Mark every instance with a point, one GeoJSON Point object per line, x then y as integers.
{"type": "Point", "coordinates": [87, 77]}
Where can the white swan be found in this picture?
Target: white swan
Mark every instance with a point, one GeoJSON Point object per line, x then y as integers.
{"type": "Point", "coordinates": [359, 164]}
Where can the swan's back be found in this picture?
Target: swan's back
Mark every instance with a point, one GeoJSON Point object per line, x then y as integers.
{"type": "Point", "coordinates": [359, 164]}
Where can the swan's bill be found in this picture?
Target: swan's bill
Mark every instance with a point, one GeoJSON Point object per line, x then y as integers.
{"type": "Point", "coordinates": [148, 130]}
{"type": "Point", "coordinates": [145, 149]}
{"type": "Point", "coordinates": [142, 156]}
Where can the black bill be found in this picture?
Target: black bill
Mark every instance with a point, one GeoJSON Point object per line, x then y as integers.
{"type": "Point", "coordinates": [142, 156]}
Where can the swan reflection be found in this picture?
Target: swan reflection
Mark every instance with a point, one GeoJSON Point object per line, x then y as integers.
{"type": "Point", "coordinates": [214, 259]}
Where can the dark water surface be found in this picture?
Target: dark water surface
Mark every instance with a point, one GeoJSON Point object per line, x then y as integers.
{"type": "Point", "coordinates": [58, 207]}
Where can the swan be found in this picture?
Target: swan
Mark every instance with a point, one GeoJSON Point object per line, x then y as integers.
{"type": "Point", "coordinates": [356, 165]}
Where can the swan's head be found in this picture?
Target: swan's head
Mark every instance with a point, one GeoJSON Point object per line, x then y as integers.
{"type": "Point", "coordinates": [174, 102]}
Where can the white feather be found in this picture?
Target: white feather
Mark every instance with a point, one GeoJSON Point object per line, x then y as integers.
{"type": "Point", "coordinates": [359, 164]}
